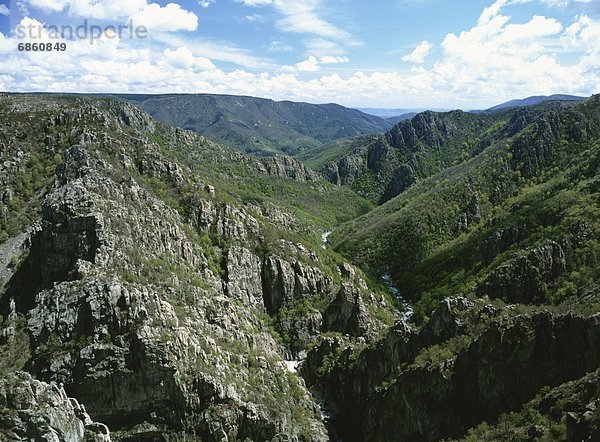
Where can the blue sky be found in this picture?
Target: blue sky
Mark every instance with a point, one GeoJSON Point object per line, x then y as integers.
{"type": "Point", "coordinates": [395, 53]}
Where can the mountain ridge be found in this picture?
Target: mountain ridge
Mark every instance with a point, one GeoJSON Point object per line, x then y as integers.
{"type": "Point", "coordinates": [534, 100]}
{"type": "Point", "coordinates": [258, 125]}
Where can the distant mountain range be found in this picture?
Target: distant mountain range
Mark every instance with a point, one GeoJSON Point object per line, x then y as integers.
{"type": "Point", "coordinates": [393, 113]}
{"type": "Point", "coordinates": [261, 126]}
{"type": "Point", "coordinates": [532, 101]}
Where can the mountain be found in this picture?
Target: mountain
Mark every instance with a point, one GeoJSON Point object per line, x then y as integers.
{"type": "Point", "coordinates": [392, 113]}
{"type": "Point", "coordinates": [499, 255]}
{"type": "Point", "coordinates": [259, 126]}
{"type": "Point", "coordinates": [532, 101]}
{"type": "Point", "coordinates": [381, 167]}
{"type": "Point", "coordinates": [155, 285]}
{"type": "Point", "coordinates": [168, 283]}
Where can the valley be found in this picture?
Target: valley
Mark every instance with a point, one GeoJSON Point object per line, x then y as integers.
{"type": "Point", "coordinates": [186, 270]}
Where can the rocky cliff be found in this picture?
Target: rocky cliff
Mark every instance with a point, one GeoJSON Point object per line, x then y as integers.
{"type": "Point", "coordinates": [174, 289]}
{"type": "Point", "coordinates": [34, 410]}
{"type": "Point", "coordinates": [164, 306]}
{"type": "Point", "coordinates": [414, 149]}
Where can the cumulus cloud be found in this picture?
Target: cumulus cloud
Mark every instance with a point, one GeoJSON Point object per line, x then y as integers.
{"type": "Point", "coordinates": [420, 53]}
{"type": "Point", "coordinates": [496, 58]}
{"type": "Point", "coordinates": [171, 17]}
{"type": "Point", "coordinates": [205, 3]}
{"type": "Point", "coordinates": [311, 64]}
{"type": "Point", "coordinates": [184, 59]}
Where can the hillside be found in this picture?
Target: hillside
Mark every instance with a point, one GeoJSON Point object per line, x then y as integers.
{"type": "Point", "coordinates": [260, 126]}
{"type": "Point", "coordinates": [155, 285]}
{"type": "Point", "coordinates": [499, 255]}
{"type": "Point", "coordinates": [384, 166]}
{"type": "Point", "coordinates": [167, 282]}
{"type": "Point", "coordinates": [532, 101]}
{"type": "Point", "coordinates": [496, 196]}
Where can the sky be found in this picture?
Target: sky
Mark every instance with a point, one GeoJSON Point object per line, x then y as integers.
{"type": "Point", "coordinates": [467, 54]}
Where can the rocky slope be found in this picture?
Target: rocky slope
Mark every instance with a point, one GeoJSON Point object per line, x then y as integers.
{"type": "Point", "coordinates": [181, 290]}
{"type": "Point", "coordinates": [414, 149]}
{"type": "Point", "coordinates": [159, 300]}
{"type": "Point", "coordinates": [34, 410]}
{"type": "Point", "coordinates": [468, 364]}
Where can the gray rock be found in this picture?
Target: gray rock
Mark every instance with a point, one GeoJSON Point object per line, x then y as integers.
{"type": "Point", "coordinates": [34, 410]}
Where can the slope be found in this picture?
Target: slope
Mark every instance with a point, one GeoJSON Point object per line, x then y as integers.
{"type": "Point", "coordinates": [260, 126]}
{"type": "Point", "coordinates": [170, 284]}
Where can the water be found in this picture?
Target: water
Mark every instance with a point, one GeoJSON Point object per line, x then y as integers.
{"type": "Point", "coordinates": [292, 366]}
{"type": "Point", "coordinates": [408, 308]}
{"type": "Point", "coordinates": [325, 239]}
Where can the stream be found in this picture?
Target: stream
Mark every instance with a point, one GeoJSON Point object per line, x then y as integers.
{"type": "Point", "coordinates": [325, 239]}
{"type": "Point", "coordinates": [408, 308]}
{"type": "Point", "coordinates": [387, 280]}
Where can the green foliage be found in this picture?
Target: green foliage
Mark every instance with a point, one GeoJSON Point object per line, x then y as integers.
{"type": "Point", "coordinates": [27, 188]}
{"type": "Point", "coordinates": [420, 240]}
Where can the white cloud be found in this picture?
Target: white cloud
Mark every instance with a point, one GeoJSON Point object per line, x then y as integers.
{"type": "Point", "coordinates": [4, 10]}
{"type": "Point", "coordinates": [564, 3]}
{"type": "Point", "coordinates": [254, 17]}
{"type": "Point", "coordinates": [107, 9]}
{"type": "Point", "coordinates": [51, 5]}
{"type": "Point", "coordinates": [206, 3]}
{"type": "Point", "coordinates": [309, 65]}
{"type": "Point", "coordinates": [221, 51]}
{"type": "Point", "coordinates": [301, 16]}
{"type": "Point", "coordinates": [312, 63]}
{"type": "Point", "coordinates": [169, 18]}
{"type": "Point", "coordinates": [322, 47]}
{"type": "Point", "coordinates": [419, 54]}
{"type": "Point", "coordinates": [184, 59]}
{"type": "Point", "coordinates": [280, 46]}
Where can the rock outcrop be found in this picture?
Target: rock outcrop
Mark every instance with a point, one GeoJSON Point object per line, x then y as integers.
{"type": "Point", "coordinates": [34, 410]}
{"type": "Point", "coordinates": [524, 279]}
{"type": "Point", "coordinates": [441, 380]}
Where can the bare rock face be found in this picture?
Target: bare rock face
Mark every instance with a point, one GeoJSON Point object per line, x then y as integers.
{"type": "Point", "coordinates": [347, 313]}
{"type": "Point", "coordinates": [223, 219]}
{"type": "Point", "coordinates": [34, 410]}
{"type": "Point", "coordinates": [284, 282]}
{"type": "Point", "coordinates": [286, 167]}
{"type": "Point", "coordinates": [244, 277]}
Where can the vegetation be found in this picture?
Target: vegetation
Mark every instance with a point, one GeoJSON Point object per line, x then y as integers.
{"type": "Point", "coordinates": [450, 233]}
